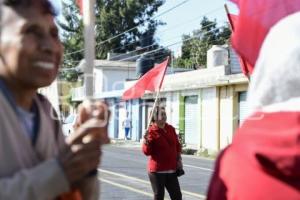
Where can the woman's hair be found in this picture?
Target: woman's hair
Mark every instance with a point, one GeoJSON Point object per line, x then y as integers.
{"type": "Point", "coordinates": [156, 111]}
{"type": "Point", "coordinates": [45, 5]}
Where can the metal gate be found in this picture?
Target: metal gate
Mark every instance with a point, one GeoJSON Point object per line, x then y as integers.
{"type": "Point", "coordinates": [243, 107]}
{"type": "Point", "coordinates": [192, 121]}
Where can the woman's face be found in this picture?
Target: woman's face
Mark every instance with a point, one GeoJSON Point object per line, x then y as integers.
{"type": "Point", "coordinates": [161, 117]}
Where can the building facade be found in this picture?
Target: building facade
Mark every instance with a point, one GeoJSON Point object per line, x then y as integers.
{"type": "Point", "coordinates": [205, 106]}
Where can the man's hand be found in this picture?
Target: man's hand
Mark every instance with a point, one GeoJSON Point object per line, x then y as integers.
{"type": "Point", "coordinates": [83, 151]}
{"type": "Point", "coordinates": [98, 110]}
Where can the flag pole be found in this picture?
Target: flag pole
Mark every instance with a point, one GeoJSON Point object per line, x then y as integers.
{"type": "Point", "coordinates": [89, 46]}
{"type": "Point", "coordinates": [154, 105]}
{"type": "Point", "coordinates": [228, 17]}
{"type": "Point", "coordinates": [232, 29]}
{"type": "Point", "coordinates": [156, 99]}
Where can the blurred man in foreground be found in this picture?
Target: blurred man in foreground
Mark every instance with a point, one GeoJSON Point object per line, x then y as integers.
{"type": "Point", "coordinates": [36, 160]}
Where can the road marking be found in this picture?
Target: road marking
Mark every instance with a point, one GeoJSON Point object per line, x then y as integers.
{"type": "Point", "coordinates": [124, 176]}
{"type": "Point", "coordinates": [148, 183]}
{"type": "Point", "coordinates": [202, 168]}
{"type": "Point", "coordinates": [126, 187]}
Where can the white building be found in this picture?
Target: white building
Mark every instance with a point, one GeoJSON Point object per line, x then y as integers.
{"type": "Point", "coordinates": [108, 76]}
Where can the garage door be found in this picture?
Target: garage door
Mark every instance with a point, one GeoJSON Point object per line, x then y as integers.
{"type": "Point", "coordinates": [192, 121]}
{"type": "Point", "coordinates": [243, 107]}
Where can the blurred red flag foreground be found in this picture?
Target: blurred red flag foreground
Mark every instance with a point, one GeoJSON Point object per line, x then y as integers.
{"type": "Point", "coordinates": [245, 66]}
{"type": "Point", "coordinates": [255, 19]}
{"type": "Point", "coordinates": [150, 81]}
{"type": "Point", "coordinates": [79, 4]}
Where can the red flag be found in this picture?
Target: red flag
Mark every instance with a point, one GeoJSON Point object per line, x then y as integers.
{"type": "Point", "coordinates": [150, 81]}
{"type": "Point", "coordinates": [254, 22]}
{"type": "Point", "coordinates": [232, 20]}
{"type": "Point", "coordinates": [247, 69]}
{"type": "Point", "coordinates": [235, 1]}
{"type": "Point", "coordinates": [79, 4]}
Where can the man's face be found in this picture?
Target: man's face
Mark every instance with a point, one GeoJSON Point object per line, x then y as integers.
{"type": "Point", "coordinates": [29, 47]}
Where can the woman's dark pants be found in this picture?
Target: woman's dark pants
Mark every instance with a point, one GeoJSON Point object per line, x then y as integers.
{"type": "Point", "coordinates": [160, 181]}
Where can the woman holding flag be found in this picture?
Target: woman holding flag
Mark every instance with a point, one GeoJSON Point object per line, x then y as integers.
{"type": "Point", "coordinates": [162, 145]}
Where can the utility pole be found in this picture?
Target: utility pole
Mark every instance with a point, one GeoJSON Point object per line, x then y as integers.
{"type": "Point", "coordinates": [89, 46]}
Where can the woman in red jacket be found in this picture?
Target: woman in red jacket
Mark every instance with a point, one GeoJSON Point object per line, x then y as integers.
{"type": "Point", "coordinates": [164, 150]}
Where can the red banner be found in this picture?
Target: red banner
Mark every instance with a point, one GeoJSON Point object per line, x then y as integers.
{"type": "Point", "coordinates": [150, 81]}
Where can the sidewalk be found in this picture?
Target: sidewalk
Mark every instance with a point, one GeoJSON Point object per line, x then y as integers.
{"type": "Point", "coordinates": [138, 145]}
{"type": "Point", "coordinates": [125, 143]}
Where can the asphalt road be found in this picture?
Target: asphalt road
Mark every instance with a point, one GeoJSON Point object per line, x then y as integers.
{"type": "Point", "coordinates": [123, 175]}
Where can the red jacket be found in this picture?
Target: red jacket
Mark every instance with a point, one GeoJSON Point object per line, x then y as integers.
{"type": "Point", "coordinates": [263, 161]}
{"type": "Point", "coordinates": [163, 148]}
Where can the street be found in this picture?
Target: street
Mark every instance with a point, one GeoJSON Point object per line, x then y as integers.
{"type": "Point", "coordinates": [123, 175]}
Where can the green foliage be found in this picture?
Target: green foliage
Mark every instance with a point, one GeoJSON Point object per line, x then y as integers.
{"type": "Point", "coordinates": [70, 75]}
{"type": "Point", "coordinates": [112, 18]}
{"type": "Point", "coordinates": [195, 46]}
{"type": "Point", "coordinates": [74, 104]}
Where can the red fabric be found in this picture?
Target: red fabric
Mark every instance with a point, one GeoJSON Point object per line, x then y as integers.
{"type": "Point", "coordinates": [262, 162]}
{"type": "Point", "coordinates": [79, 4]}
{"type": "Point", "coordinates": [151, 81]}
{"type": "Point", "coordinates": [247, 69]}
{"type": "Point", "coordinates": [163, 148]}
{"type": "Point", "coordinates": [73, 195]}
{"type": "Point", "coordinates": [255, 19]}
{"type": "Point", "coordinates": [235, 1]}
{"type": "Point", "coordinates": [217, 189]}
{"type": "Point", "coordinates": [232, 20]}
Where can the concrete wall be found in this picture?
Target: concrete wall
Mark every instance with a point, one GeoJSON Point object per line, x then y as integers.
{"type": "Point", "coordinates": [136, 116]}
{"type": "Point", "coordinates": [113, 128]}
{"type": "Point", "coordinates": [98, 81]}
{"type": "Point", "coordinates": [229, 112]}
{"type": "Point", "coordinates": [122, 117]}
{"type": "Point", "coordinates": [115, 79]}
{"type": "Point", "coordinates": [210, 119]}
{"type": "Point", "coordinates": [226, 115]}
{"type": "Point", "coordinates": [173, 110]}
{"type": "Point", "coordinates": [111, 79]}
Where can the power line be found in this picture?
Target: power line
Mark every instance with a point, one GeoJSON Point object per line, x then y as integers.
{"type": "Point", "coordinates": [166, 30]}
{"type": "Point", "coordinates": [163, 47]}
{"type": "Point", "coordinates": [118, 35]}
{"type": "Point", "coordinates": [212, 23]}
{"type": "Point", "coordinates": [171, 9]}
{"type": "Point", "coordinates": [191, 20]}
{"type": "Point", "coordinates": [172, 44]}
{"type": "Point", "coordinates": [175, 26]}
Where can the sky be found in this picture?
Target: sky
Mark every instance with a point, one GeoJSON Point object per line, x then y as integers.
{"type": "Point", "coordinates": [186, 18]}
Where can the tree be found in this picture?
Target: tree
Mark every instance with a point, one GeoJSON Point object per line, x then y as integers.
{"type": "Point", "coordinates": [195, 46]}
{"type": "Point", "coordinates": [112, 18]}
